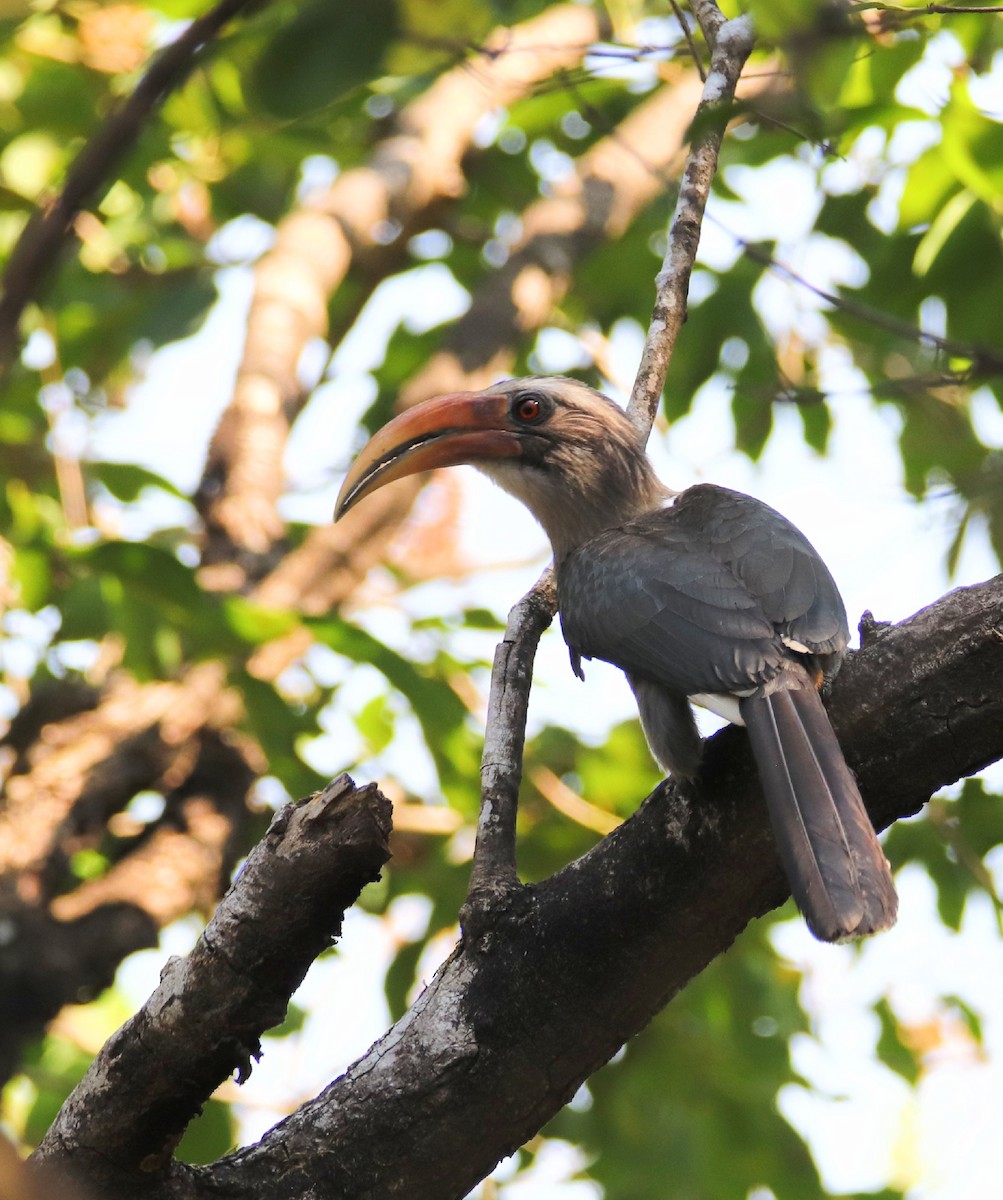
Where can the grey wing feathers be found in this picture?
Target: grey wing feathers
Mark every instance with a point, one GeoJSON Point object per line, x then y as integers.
{"type": "Point", "coordinates": [700, 596]}
{"type": "Point", "coordinates": [775, 561]}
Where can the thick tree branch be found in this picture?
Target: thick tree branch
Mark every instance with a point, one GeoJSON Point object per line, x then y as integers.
{"type": "Point", "coordinates": [552, 982]}
{"type": "Point", "coordinates": [206, 1018]}
{"type": "Point", "coordinates": [43, 238]}
{"type": "Point", "coordinates": [411, 173]}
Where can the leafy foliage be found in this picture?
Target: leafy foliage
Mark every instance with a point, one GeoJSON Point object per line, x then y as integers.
{"type": "Point", "coordinates": [99, 566]}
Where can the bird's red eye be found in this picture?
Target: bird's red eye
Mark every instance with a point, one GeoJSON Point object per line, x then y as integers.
{"type": "Point", "coordinates": [528, 409]}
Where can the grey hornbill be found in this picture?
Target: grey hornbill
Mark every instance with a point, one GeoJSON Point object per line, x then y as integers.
{"type": "Point", "coordinates": [705, 596]}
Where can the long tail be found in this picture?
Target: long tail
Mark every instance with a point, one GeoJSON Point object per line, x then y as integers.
{"type": "Point", "coordinates": [837, 871]}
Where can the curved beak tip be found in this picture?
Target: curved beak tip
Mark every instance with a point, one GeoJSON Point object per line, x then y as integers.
{"type": "Point", "coordinates": [464, 427]}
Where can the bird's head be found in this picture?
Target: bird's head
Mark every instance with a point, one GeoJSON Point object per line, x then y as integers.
{"type": "Point", "coordinates": [566, 451]}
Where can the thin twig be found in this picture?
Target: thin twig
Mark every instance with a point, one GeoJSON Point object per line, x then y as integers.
{"type": "Point", "coordinates": [42, 239]}
{"type": "Point", "coordinates": [984, 359]}
{"type": "Point", "coordinates": [494, 868]}
{"type": "Point", "coordinates": [684, 26]}
{"type": "Point", "coordinates": [731, 44]}
{"type": "Point", "coordinates": [930, 10]}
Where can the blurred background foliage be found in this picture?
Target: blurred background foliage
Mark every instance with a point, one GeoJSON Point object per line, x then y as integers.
{"type": "Point", "coordinates": [100, 573]}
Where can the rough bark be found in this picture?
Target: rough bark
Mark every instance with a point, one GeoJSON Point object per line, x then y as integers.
{"type": "Point", "coordinates": [550, 979]}
{"type": "Point", "coordinates": [494, 867]}
{"type": "Point", "coordinates": [206, 1018]}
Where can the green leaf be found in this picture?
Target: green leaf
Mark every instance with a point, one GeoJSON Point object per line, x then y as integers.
{"type": "Point", "coordinates": [816, 420]}
{"type": "Point", "coordinates": [968, 1015]}
{"type": "Point", "coordinates": [60, 98]}
{"type": "Point", "coordinates": [929, 184]}
{"type": "Point", "coordinates": [937, 441]}
{"type": "Point", "coordinates": [951, 841]}
{"type": "Point", "coordinates": [325, 51]}
{"type": "Point", "coordinates": [966, 274]}
{"type": "Point", "coordinates": [88, 864]}
{"type": "Point", "coordinates": [256, 624]}
{"type": "Point", "coordinates": [482, 618]}
{"type": "Point", "coordinates": [32, 575]}
{"type": "Point", "coordinates": [401, 975]}
{"type": "Point", "coordinates": [892, 1050]}
{"type": "Point", "coordinates": [126, 480]}
{"type": "Point", "coordinates": [941, 228]}
{"type": "Point", "coordinates": [210, 1135]}
{"type": "Point", "coordinates": [376, 724]}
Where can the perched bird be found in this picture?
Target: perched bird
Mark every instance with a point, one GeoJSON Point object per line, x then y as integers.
{"type": "Point", "coordinates": [705, 596]}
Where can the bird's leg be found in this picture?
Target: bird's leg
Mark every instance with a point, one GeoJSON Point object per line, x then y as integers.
{"type": "Point", "coordinates": [494, 868]}
{"type": "Point", "coordinates": [669, 728]}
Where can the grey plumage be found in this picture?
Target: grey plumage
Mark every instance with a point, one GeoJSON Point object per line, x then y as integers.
{"type": "Point", "coordinates": [700, 594]}
{"type": "Point", "coordinates": [706, 596]}
{"type": "Point", "coordinates": [717, 595]}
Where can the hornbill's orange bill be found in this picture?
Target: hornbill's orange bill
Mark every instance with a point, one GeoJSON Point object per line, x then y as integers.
{"type": "Point", "coordinates": [444, 432]}
{"type": "Point", "coordinates": [705, 597]}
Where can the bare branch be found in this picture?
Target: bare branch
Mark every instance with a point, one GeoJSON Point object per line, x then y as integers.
{"type": "Point", "coordinates": [494, 868]}
{"type": "Point", "coordinates": [206, 1018]}
{"type": "Point", "coordinates": [40, 243]}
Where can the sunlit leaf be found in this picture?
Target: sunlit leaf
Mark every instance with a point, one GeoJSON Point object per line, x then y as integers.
{"type": "Point", "coordinates": [210, 1135]}
{"type": "Point", "coordinates": [322, 53]}
{"type": "Point", "coordinates": [126, 481]}
{"type": "Point", "coordinates": [892, 1050]}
